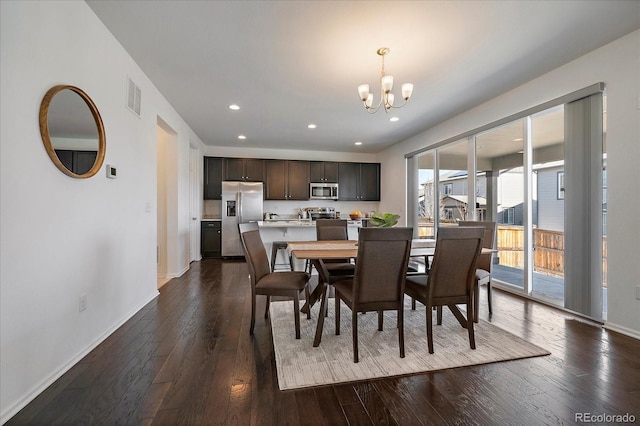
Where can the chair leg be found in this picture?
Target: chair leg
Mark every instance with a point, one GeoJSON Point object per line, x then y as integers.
{"type": "Point", "coordinates": [326, 312]}
{"type": "Point", "coordinates": [296, 312]}
{"type": "Point", "coordinates": [472, 338]}
{"type": "Point", "coordinates": [413, 304]}
{"type": "Point", "coordinates": [380, 319]}
{"type": "Point", "coordinates": [439, 315]}
{"type": "Point", "coordinates": [266, 307]}
{"type": "Point", "coordinates": [401, 330]}
{"type": "Point", "coordinates": [476, 301]}
{"type": "Point", "coordinates": [337, 298]}
{"type": "Point", "coordinates": [354, 326]}
{"type": "Point", "coordinates": [253, 312]}
{"type": "Point", "coordinates": [489, 296]}
{"type": "Point", "coordinates": [429, 329]}
{"type": "Point", "coordinates": [307, 298]}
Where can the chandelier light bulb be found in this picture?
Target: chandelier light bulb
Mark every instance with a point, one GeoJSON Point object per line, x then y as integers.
{"type": "Point", "coordinates": [407, 90]}
{"type": "Point", "coordinates": [363, 90]}
{"type": "Point", "coordinates": [386, 85]}
{"type": "Point", "coordinates": [369, 101]}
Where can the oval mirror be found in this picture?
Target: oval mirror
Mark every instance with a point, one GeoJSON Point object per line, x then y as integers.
{"type": "Point", "coordinates": [72, 131]}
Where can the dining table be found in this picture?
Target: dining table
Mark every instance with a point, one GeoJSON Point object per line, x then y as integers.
{"type": "Point", "coordinates": [317, 251]}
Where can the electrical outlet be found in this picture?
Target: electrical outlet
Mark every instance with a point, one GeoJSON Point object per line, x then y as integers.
{"type": "Point", "coordinates": [82, 303]}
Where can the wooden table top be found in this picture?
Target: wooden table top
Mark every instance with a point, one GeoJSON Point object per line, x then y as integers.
{"type": "Point", "coordinates": [340, 249]}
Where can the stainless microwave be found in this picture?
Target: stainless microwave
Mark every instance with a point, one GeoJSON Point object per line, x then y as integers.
{"type": "Point", "coordinates": [323, 191]}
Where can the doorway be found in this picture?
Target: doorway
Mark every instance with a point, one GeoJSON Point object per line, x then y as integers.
{"type": "Point", "coordinates": [167, 154]}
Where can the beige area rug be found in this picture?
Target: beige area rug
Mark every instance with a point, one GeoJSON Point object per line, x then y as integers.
{"type": "Point", "coordinates": [301, 365]}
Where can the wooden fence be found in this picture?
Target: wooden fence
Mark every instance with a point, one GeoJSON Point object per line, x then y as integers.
{"type": "Point", "coordinates": [548, 248]}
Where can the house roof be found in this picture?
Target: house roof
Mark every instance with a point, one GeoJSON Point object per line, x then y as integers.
{"type": "Point", "coordinates": [464, 199]}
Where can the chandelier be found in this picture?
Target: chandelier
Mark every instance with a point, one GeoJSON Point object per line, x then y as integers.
{"type": "Point", "coordinates": [386, 84]}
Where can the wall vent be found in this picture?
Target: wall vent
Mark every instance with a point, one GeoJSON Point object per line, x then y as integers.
{"type": "Point", "coordinates": [133, 97]}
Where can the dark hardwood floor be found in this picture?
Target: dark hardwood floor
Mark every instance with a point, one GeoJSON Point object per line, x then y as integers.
{"type": "Point", "coordinates": [187, 358]}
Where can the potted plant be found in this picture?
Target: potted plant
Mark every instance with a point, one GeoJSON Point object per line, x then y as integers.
{"type": "Point", "coordinates": [383, 220]}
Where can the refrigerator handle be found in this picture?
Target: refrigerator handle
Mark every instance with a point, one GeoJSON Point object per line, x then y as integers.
{"type": "Point", "coordinates": [239, 202]}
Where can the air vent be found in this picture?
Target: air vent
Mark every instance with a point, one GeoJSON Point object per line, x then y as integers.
{"type": "Point", "coordinates": [133, 97]}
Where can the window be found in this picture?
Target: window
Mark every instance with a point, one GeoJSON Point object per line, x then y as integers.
{"type": "Point", "coordinates": [560, 185]}
{"type": "Point", "coordinates": [508, 216]}
{"type": "Point", "coordinates": [447, 189]}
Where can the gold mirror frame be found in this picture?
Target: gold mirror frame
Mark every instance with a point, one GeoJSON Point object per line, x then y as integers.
{"type": "Point", "coordinates": [46, 138]}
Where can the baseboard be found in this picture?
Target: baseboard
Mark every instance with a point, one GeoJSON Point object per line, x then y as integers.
{"type": "Point", "coordinates": [622, 330]}
{"type": "Point", "coordinates": [39, 388]}
{"type": "Point", "coordinates": [177, 274]}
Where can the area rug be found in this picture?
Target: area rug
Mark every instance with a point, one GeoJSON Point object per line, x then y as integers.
{"type": "Point", "coordinates": [301, 365]}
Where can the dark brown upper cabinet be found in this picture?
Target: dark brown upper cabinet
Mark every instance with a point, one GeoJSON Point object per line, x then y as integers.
{"type": "Point", "coordinates": [324, 171]}
{"type": "Point", "coordinates": [244, 169]}
{"type": "Point", "coordinates": [286, 180]}
{"type": "Point", "coordinates": [359, 181]}
{"type": "Point", "coordinates": [212, 178]}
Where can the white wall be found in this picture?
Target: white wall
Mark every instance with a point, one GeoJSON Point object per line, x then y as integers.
{"type": "Point", "coordinates": [618, 65]}
{"type": "Point", "coordinates": [64, 237]}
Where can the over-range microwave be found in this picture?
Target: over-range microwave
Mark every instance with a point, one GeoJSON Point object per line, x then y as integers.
{"type": "Point", "coordinates": [323, 191]}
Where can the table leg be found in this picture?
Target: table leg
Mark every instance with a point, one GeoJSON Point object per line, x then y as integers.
{"type": "Point", "coordinates": [323, 287]}
{"type": "Point", "coordinates": [315, 295]}
{"type": "Point", "coordinates": [456, 313]}
{"type": "Point", "coordinates": [321, 314]}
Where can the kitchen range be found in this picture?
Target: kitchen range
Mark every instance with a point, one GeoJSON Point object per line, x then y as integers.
{"type": "Point", "coordinates": [316, 213]}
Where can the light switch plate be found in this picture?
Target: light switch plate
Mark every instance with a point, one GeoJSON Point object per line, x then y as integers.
{"type": "Point", "coordinates": [111, 171]}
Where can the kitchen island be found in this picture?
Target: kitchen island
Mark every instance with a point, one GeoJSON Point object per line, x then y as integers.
{"type": "Point", "coordinates": [295, 230]}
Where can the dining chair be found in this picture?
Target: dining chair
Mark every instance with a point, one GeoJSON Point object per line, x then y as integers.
{"type": "Point", "coordinates": [247, 226]}
{"type": "Point", "coordinates": [378, 281]}
{"type": "Point", "coordinates": [334, 229]}
{"type": "Point", "coordinates": [483, 270]}
{"type": "Point", "coordinates": [268, 283]}
{"type": "Point", "coordinates": [451, 277]}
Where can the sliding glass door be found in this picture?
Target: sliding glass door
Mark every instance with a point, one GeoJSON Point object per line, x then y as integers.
{"type": "Point", "coordinates": [550, 213]}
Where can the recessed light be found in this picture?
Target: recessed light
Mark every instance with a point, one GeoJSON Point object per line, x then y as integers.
{"type": "Point", "coordinates": [358, 143]}
{"type": "Point", "coordinates": [242, 137]}
{"type": "Point", "coordinates": [234, 107]}
{"type": "Point", "coordinates": [312, 126]}
{"type": "Point", "coordinates": [394, 119]}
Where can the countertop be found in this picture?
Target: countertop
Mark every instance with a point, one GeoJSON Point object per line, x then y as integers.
{"type": "Point", "coordinates": [210, 218]}
{"type": "Point", "coordinates": [297, 223]}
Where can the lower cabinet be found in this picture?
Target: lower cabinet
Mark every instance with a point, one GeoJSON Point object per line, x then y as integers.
{"type": "Point", "coordinates": [211, 239]}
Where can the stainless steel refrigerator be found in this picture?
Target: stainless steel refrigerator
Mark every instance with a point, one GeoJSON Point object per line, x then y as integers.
{"type": "Point", "coordinates": [241, 202]}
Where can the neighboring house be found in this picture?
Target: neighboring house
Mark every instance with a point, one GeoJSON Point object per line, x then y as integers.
{"type": "Point", "coordinates": [454, 207]}
{"type": "Point", "coordinates": [548, 199]}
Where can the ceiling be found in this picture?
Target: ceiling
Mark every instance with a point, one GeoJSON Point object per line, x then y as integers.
{"type": "Point", "coordinates": [291, 63]}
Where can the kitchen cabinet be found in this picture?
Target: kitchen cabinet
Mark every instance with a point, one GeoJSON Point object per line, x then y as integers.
{"type": "Point", "coordinates": [286, 180]}
{"type": "Point", "coordinates": [323, 171]}
{"type": "Point", "coordinates": [359, 181]}
{"type": "Point", "coordinates": [211, 239]}
{"type": "Point", "coordinates": [244, 169]}
{"type": "Point", "coordinates": [212, 178]}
